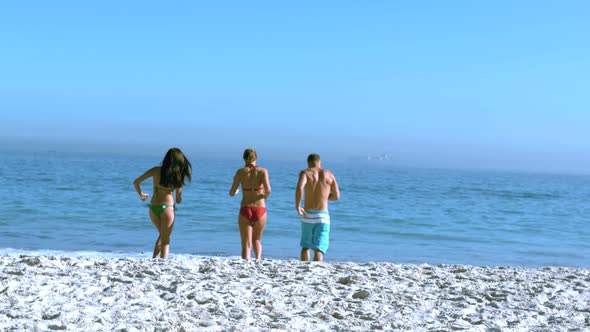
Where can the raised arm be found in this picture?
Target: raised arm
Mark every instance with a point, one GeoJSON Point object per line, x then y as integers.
{"type": "Point", "coordinates": [234, 187]}
{"type": "Point", "coordinates": [139, 180]}
{"type": "Point", "coordinates": [266, 184]}
{"type": "Point", "coordinates": [299, 192]}
{"type": "Point", "coordinates": [334, 190]}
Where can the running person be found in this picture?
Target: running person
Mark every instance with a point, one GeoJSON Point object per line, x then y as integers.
{"type": "Point", "coordinates": [168, 178]}
{"type": "Point", "coordinates": [255, 190]}
{"type": "Point", "coordinates": [318, 185]}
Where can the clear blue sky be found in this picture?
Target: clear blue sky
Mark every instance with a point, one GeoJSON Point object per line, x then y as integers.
{"type": "Point", "coordinates": [500, 84]}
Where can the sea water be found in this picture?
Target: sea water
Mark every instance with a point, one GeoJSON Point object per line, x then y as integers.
{"type": "Point", "coordinates": [86, 205]}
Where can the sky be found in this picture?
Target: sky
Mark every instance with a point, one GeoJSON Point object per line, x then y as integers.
{"type": "Point", "coordinates": [468, 84]}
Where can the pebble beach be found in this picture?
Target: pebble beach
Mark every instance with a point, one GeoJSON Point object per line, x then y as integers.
{"type": "Point", "coordinates": [52, 293]}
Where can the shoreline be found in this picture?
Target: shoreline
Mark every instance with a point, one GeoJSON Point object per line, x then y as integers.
{"type": "Point", "coordinates": [219, 293]}
{"type": "Point", "coordinates": [175, 256]}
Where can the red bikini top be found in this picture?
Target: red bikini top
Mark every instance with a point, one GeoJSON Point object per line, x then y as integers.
{"type": "Point", "coordinates": [252, 167]}
{"type": "Point", "coordinates": [253, 189]}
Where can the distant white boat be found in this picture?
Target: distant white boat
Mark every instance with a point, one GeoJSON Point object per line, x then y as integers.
{"type": "Point", "coordinates": [383, 156]}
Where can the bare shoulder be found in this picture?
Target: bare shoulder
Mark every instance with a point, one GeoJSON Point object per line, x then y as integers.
{"type": "Point", "coordinates": [328, 175]}
{"type": "Point", "coordinates": [306, 172]}
{"type": "Point", "coordinates": [327, 172]}
{"type": "Point", "coordinates": [239, 172]}
{"type": "Point", "coordinates": [304, 175]}
{"type": "Point", "coordinates": [154, 172]}
{"type": "Point", "coordinates": [261, 172]}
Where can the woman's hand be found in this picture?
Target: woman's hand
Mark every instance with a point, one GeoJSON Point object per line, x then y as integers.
{"type": "Point", "coordinates": [143, 196]}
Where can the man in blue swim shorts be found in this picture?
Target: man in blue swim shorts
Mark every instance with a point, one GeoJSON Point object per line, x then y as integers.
{"type": "Point", "coordinates": [318, 186]}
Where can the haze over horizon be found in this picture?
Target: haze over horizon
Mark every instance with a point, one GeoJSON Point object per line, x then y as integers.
{"type": "Point", "coordinates": [458, 84]}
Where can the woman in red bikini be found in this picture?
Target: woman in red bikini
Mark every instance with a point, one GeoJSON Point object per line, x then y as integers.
{"type": "Point", "coordinates": [255, 189]}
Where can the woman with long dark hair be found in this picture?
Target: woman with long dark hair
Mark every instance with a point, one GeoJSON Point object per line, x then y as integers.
{"type": "Point", "coordinates": [168, 178]}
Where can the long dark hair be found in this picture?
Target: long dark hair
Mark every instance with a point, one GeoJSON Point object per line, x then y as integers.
{"type": "Point", "coordinates": [175, 168]}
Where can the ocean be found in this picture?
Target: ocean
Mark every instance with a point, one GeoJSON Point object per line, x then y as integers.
{"type": "Point", "coordinates": [57, 203]}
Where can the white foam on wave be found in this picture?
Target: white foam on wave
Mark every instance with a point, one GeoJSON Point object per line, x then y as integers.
{"type": "Point", "coordinates": [13, 252]}
{"type": "Point", "coordinates": [66, 253]}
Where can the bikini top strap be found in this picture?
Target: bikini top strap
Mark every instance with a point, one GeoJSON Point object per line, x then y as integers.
{"type": "Point", "coordinates": [253, 189]}
{"type": "Point", "coordinates": [158, 188]}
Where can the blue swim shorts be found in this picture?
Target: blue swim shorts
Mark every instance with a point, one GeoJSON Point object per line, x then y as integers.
{"type": "Point", "coordinates": [315, 230]}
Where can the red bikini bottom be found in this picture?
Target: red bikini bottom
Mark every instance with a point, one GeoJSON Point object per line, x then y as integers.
{"type": "Point", "coordinates": [252, 213]}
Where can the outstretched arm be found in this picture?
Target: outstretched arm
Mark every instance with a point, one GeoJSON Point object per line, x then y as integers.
{"type": "Point", "coordinates": [234, 187]}
{"type": "Point", "coordinates": [139, 180]}
{"type": "Point", "coordinates": [334, 190]}
{"type": "Point", "coordinates": [299, 193]}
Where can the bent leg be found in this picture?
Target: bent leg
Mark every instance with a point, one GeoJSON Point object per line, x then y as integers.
{"type": "Point", "coordinates": [306, 241]}
{"type": "Point", "coordinates": [157, 246]}
{"type": "Point", "coordinates": [257, 231]}
{"type": "Point", "coordinates": [321, 240]}
{"type": "Point", "coordinates": [246, 236]}
{"type": "Point", "coordinates": [166, 225]}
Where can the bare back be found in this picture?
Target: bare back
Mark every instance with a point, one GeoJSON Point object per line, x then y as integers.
{"type": "Point", "coordinates": [317, 183]}
{"type": "Point", "coordinates": [255, 185]}
{"type": "Point", "coordinates": [161, 194]}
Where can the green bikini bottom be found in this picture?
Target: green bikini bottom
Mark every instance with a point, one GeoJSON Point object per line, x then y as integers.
{"type": "Point", "coordinates": [158, 209]}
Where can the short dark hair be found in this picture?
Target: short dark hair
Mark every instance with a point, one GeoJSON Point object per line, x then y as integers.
{"type": "Point", "coordinates": [313, 158]}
